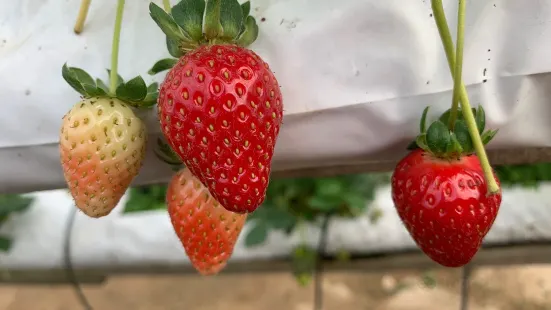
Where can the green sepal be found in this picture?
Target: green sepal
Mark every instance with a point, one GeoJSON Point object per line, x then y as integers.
{"type": "Point", "coordinates": [454, 147]}
{"type": "Point", "coordinates": [423, 122]}
{"type": "Point", "coordinates": [212, 27]}
{"type": "Point", "coordinates": [120, 80]}
{"type": "Point", "coordinates": [162, 65]}
{"type": "Point", "coordinates": [304, 261]}
{"type": "Point", "coordinates": [438, 137]}
{"type": "Point", "coordinates": [82, 82]}
{"type": "Point", "coordinates": [249, 34]}
{"type": "Point", "coordinates": [133, 90]}
{"type": "Point", "coordinates": [461, 132]}
{"type": "Point", "coordinates": [480, 118]}
{"type": "Point", "coordinates": [174, 48]}
{"type": "Point", "coordinates": [421, 141]}
{"type": "Point", "coordinates": [412, 146]}
{"type": "Point", "coordinates": [188, 14]}
{"type": "Point", "coordinates": [231, 19]}
{"type": "Point", "coordinates": [165, 153]}
{"type": "Point", "coordinates": [246, 9]}
{"type": "Point", "coordinates": [488, 136]}
{"type": "Point", "coordinates": [102, 85]}
{"type": "Point", "coordinates": [167, 24]}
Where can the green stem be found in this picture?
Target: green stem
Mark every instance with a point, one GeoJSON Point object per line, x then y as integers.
{"type": "Point", "coordinates": [458, 71]}
{"type": "Point", "coordinates": [166, 6]}
{"type": "Point", "coordinates": [442, 25]}
{"type": "Point", "coordinates": [113, 78]}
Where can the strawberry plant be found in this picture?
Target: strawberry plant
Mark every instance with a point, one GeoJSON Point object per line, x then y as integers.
{"type": "Point", "coordinates": [220, 106]}
{"type": "Point", "coordinates": [102, 141]}
{"type": "Point", "coordinates": [445, 190]}
{"type": "Point", "coordinates": [10, 204]}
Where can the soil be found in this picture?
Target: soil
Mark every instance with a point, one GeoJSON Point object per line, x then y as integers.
{"type": "Point", "coordinates": [496, 288]}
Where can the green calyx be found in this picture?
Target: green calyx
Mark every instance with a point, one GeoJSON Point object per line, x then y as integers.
{"type": "Point", "coordinates": [442, 142]}
{"type": "Point", "coordinates": [192, 23]}
{"type": "Point", "coordinates": [133, 92]}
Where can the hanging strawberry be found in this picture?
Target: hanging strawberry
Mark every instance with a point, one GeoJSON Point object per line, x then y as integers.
{"type": "Point", "coordinates": [102, 141]}
{"type": "Point", "coordinates": [220, 106]}
{"type": "Point", "coordinates": [444, 190]}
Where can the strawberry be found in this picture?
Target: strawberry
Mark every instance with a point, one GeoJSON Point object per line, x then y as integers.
{"type": "Point", "coordinates": [220, 106]}
{"type": "Point", "coordinates": [440, 193]}
{"type": "Point", "coordinates": [207, 231]}
{"type": "Point", "coordinates": [102, 142]}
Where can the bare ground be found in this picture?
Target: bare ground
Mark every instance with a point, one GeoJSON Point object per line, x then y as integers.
{"type": "Point", "coordinates": [503, 288]}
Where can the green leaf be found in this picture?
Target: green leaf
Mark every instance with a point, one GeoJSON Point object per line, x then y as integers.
{"type": "Point", "coordinates": [211, 22]}
{"type": "Point", "coordinates": [231, 19]}
{"type": "Point", "coordinates": [133, 90]}
{"type": "Point", "coordinates": [455, 146]}
{"type": "Point", "coordinates": [10, 203]}
{"type": "Point", "coordinates": [166, 23]}
{"type": "Point", "coordinates": [5, 244]}
{"type": "Point", "coordinates": [162, 65]}
{"type": "Point", "coordinates": [120, 80]}
{"type": "Point", "coordinates": [257, 235]}
{"type": "Point", "coordinates": [480, 117]}
{"type": "Point", "coordinates": [71, 78]}
{"type": "Point", "coordinates": [188, 14]}
{"type": "Point", "coordinates": [412, 146]}
{"type": "Point", "coordinates": [165, 153]}
{"type": "Point", "coordinates": [173, 48]}
{"type": "Point", "coordinates": [463, 136]}
{"type": "Point", "coordinates": [323, 204]}
{"type": "Point", "coordinates": [82, 76]}
{"type": "Point", "coordinates": [93, 90]}
{"type": "Point", "coordinates": [423, 122]}
{"type": "Point", "coordinates": [421, 141]}
{"type": "Point", "coordinates": [438, 137]}
{"type": "Point", "coordinates": [146, 198]}
{"type": "Point", "coordinates": [246, 8]}
{"type": "Point", "coordinates": [303, 263]}
{"type": "Point", "coordinates": [249, 35]}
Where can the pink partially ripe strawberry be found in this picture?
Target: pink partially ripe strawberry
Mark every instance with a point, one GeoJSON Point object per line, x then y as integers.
{"type": "Point", "coordinates": [102, 141]}
{"type": "Point", "coordinates": [207, 231]}
{"type": "Point", "coordinates": [220, 106]}
{"type": "Point", "coordinates": [440, 193]}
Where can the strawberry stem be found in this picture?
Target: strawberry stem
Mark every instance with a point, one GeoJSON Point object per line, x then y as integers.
{"type": "Point", "coordinates": [113, 78]}
{"type": "Point", "coordinates": [166, 6]}
{"type": "Point", "coordinates": [82, 13]}
{"type": "Point", "coordinates": [444, 31]}
{"type": "Point", "coordinates": [458, 71]}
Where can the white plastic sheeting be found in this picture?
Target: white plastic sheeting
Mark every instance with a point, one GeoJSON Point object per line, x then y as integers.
{"type": "Point", "coordinates": [148, 238]}
{"type": "Point", "coordinates": [355, 75]}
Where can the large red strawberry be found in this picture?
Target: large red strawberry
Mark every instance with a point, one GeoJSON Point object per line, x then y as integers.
{"type": "Point", "coordinates": [207, 231]}
{"type": "Point", "coordinates": [441, 195]}
{"type": "Point", "coordinates": [220, 106]}
{"type": "Point", "coordinates": [102, 141]}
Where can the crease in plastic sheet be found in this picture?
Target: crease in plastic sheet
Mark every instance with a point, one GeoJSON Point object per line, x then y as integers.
{"type": "Point", "coordinates": [355, 74]}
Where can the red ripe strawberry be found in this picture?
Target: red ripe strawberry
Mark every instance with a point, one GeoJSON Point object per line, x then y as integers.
{"type": "Point", "coordinates": [220, 109]}
{"type": "Point", "coordinates": [440, 194]}
{"type": "Point", "coordinates": [207, 231]}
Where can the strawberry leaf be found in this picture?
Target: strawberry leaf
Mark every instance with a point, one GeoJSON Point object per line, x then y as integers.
{"type": "Point", "coordinates": [167, 23]}
{"type": "Point", "coordinates": [10, 203]}
{"type": "Point", "coordinates": [231, 19]}
{"type": "Point", "coordinates": [188, 14]}
{"type": "Point", "coordinates": [102, 85]}
{"type": "Point", "coordinates": [70, 76]}
{"type": "Point", "coordinates": [133, 90]}
{"type": "Point", "coordinates": [93, 90]}
{"type": "Point", "coordinates": [249, 35]}
{"type": "Point", "coordinates": [423, 123]}
{"type": "Point", "coordinates": [153, 87]}
{"type": "Point", "coordinates": [304, 263]}
{"type": "Point", "coordinates": [461, 132]}
{"type": "Point", "coordinates": [165, 153]}
{"type": "Point", "coordinates": [162, 65]}
{"type": "Point", "coordinates": [5, 244]}
{"type": "Point", "coordinates": [120, 80]}
{"type": "Point", "coordinates": [257, 235]}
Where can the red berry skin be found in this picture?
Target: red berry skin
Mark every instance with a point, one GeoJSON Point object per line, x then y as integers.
{"type": "Point", "coordinates": [444, 205]}
{"type": "Point", "coordinates": [221, 110]}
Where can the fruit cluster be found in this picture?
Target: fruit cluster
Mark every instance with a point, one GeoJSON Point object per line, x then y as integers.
{"type": "Point", "coordinates": [220, 110]}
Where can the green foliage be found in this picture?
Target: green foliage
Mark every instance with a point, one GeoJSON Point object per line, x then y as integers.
{"type": "Point", "coordinates": [524, 175]}
{"type": "Point", "coordinates": [9, 204]}
{"type": "Point", "coordinates": [289, 201]}
{"type": "Point", "coordinates": [146, 198]}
